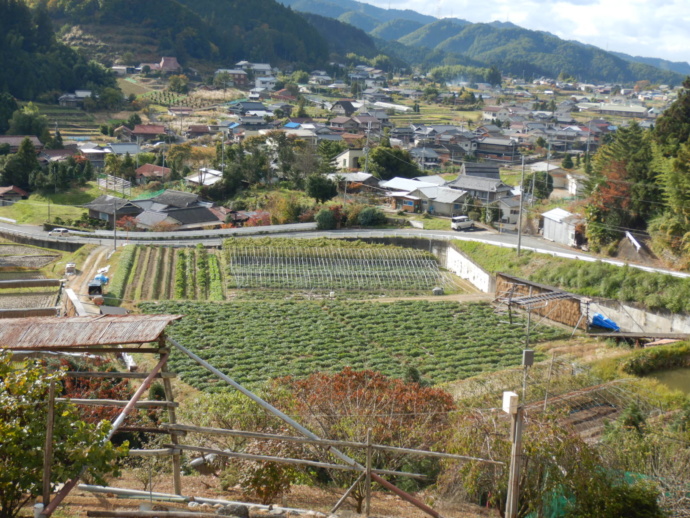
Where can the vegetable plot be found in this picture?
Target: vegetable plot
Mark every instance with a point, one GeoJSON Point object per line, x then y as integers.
{"type": "Point", "coordinates": [255, 341]}
{"type": "Point", "coordinates": [332, 268]}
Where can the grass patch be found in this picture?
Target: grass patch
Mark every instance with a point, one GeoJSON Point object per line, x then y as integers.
{"type": "Point", "coordinates": [654, 291]}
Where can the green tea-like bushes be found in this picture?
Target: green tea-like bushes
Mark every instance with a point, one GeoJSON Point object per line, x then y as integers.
{"type": "Point", "coordinates": [181, 275]}
{"type": "Point", "coordinates": [116, 289]}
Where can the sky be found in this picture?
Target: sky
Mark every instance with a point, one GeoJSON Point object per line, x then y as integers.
{"type": "Point", "coordinates": [649, 28]}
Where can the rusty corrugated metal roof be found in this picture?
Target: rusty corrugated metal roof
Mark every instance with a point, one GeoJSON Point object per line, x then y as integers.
{"type": "Point", "coordinates": [59, 333]}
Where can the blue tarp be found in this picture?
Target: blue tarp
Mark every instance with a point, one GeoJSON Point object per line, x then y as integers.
{"type": "Point", "coordinates": [101, 278]}
{"type": "Point", "coordinates": [599, 320]}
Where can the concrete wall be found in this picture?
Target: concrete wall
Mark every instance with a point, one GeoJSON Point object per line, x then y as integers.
{"type": "Point", "coordinates": [56, 244]}
{"type": "Point", "coordinates": [635, 320]}
{"type": "Point", "coordinates": [462, 266]}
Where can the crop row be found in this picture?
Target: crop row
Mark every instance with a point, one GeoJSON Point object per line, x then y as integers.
{"type": "Point", "coordinates": [254, 342]}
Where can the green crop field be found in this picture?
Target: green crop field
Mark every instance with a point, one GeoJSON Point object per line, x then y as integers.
{"type": "Point", "coordinates": [278, 268]}
{"type": "Point", "coordinates": [255, 341]}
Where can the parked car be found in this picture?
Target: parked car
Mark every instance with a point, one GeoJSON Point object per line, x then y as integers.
{"type": "Point", "coordinates": [461, 223]}
{"type": "Point", "coordinates": [59, 232]}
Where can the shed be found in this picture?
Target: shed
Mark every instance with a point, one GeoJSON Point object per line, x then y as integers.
{"type": "Point", "coordinates": [559, 226]}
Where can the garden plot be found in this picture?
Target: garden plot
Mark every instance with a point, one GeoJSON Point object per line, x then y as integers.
{"type": "Point", "coordinates": [333, 268]}
{"type": "Point", "coordinates": [28, 299]}
{"type": "Point", "coordinates": [18, 256]}
{"type": "Point", "coordinates": [256, 341]}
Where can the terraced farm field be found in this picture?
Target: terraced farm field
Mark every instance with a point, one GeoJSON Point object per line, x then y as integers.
{"type": "Point", "coordinates": [255, 341]}
{"type": "Point", "coordinates": [72, 122]}
{"type": "Point", "coordinates": [277, 268]}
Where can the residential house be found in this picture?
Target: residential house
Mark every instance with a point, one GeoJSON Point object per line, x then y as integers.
{"type": "Point", "coordinates": [148, 131]}
{"type": "Point", "coordinates": [510, 210]}
{"type": "Point", "coordinates": [486, 190]}
{"type": "Point", "coordinates": [623, 111]}
{"type": "Point", "coordinates": [75, 100]}
{"type": "Point", "coordinates": [349, 159]}
{"type": "Point", "coordinates": [354, 182]}
{"type": "Point", "coordinates": [267, 82]}
{"type": "Point", "coordinates": [560, 226]}
{"type": "Point", "coordinates": [343, 108]}
{"type": "Point", "coordinates": [14, 141]}
{"type": "Point", "coordinates": [150, 172]}
{"type": "Point", "coordinates": [482, 169]}
{"type": "Point", "coordinates": [346, 124]}
{"type": "Point", "coordinates": [123, 148]}
{"type": "Point", "coordinates": [427, 158]}
{"type": "Point", "coordinates": [439, 200]}
{"type": "Point", "coordinates": [366, 123]}
{"type": "Point", "coordinates": [236, 77]}
{"type": "Point", "coordinates": [399, 193]}
{"type": "Point", "coordinates": [108, 207]}
{"type": "Point", "coordinates": [197, 130]}
{"type": "Point", "coordinates": [204, 177]}
{"type": "Point", "coordinates": [47, 156]}
{"type": "Point", "coordinates": [12, 193]}
{"type": "Point", "coordinates": [500, 149]}
{"type": "Point", "coordinates": [169, 65]}
{"type": "Point", "coordinates": [242, 107]}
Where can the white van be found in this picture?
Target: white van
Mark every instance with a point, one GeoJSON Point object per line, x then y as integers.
{"type": "Point", "coordinates": [59, 232]}
{"type": "Point", "coordinates": [461, 223]}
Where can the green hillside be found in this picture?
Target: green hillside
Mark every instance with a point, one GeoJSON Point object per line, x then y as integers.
{"type": "Point", "coordinates": [33, 62]}
{"type": "Point", "coordinates": [342, 37]}
{"type": "Point", "coordinates": [335, 9]}
{"type": "Point", "coordinates": [432, 35]}
{"type": "Point", "coordinates": [202, 30]}
{"type": "Point", "coordinates": [360, 20]}
{"type": "Point", "coordinates": [395, 29]}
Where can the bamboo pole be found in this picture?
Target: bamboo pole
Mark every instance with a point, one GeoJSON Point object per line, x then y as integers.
{"type": "Point", "coordinates": [176, 458]}
{"type": "Point", "coordinates": [285, 460]}
{"type": "Point", "coordinates": [367, 503]}
{"type": "Point", "coordinates": [287, 419]}
{"type": "Point", "coordinates": [48, 451]}
{"type": "Point", "coordinates": [346, 494]}
{"type": "Point", "coordinates": [148, 514]}
{"type": "Point", "coordinates": [47, 511]}
{"type": "Point", "coordinates": [124, 375]}
{"type": "Point", "coordinates": [323, 442]}
{"type": "Point", "coordinates": [118, 404]}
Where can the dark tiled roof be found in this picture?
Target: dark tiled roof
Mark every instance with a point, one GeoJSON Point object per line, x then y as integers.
{"type": "Point", "coordinates": [178, 199]}
{"type": "Point", "coordinates": [193, 216]}
{"type": "Point", "coordinates": [107, 205]}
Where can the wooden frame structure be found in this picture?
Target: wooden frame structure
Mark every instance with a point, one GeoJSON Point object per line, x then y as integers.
{"type": "Point", "coordinates": [107, 334]}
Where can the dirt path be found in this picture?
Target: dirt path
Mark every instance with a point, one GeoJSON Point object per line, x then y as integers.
{"type": "Point", "coordinates": [86, 272]}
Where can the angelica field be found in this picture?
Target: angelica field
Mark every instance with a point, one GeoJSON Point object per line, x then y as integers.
{"type": "Point", "coordinates": [254, 341]}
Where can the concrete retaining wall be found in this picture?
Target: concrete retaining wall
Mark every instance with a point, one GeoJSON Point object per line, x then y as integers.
{"type": "Point", "coordinates": [635, 320]}
{"type": "Point", "coordinates": [463, 267]}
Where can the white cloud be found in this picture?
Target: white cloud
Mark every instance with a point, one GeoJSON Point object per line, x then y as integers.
{"type": "Point", "coordinates": [652, 28]}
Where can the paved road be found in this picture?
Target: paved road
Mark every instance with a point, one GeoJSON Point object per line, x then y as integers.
{"type": "Point", "coordinates": [308, 230]}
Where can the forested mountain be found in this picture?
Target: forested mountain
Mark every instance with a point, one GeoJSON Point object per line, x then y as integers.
{"type": "Point", "coordinates": [512, 49]}
{"type": "Point", "coordinates": [680, 67]}
{"type": "Point", "coordinates": [220, 31]}
{"type": "Point", "coordinates": [343, 38]}
{"type": "Point", "coordinates": [396, 29]}
{"type": "Point", "coordinates": [32, 62]}
{"type": "Point", "coordinates": [335, 9]}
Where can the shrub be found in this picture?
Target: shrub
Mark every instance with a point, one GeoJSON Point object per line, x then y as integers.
{"type": "Point", "coordinates": [371, 217]}
{"type": "Point", "coordinates": [325, 220]}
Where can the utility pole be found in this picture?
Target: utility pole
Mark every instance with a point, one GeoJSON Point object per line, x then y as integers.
{"type": "Point", "coordinates": [114, 223]}
{"type": "Point", "coordinates": [522, 204]}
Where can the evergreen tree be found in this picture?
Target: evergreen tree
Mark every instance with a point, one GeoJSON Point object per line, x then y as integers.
{"type": "Point", "coordinates": [567, 162]}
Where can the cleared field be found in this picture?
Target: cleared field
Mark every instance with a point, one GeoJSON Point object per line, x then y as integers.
{"type": "Point", "coordinates": [27, 300]}
{"type": "Point", "coordinates": [18, 256]}
{"type": "Point", "coordinates": [253, 342]}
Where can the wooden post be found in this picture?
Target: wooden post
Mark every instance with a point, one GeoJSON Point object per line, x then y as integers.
{"type": "Point", "coordinates": [367, 487]}
{"type": "Point", "coordinates": [176, 458]}
{"type": "Point", "coordinates": [515, 459]}
{"type": "Point", "coordinates": [48, 451]}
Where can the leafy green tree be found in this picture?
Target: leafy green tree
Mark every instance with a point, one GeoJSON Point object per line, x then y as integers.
{"type": "Point", "coordinates": [7, 107]}
{"type": "Point", "coordinates": [541, 182]}
{"type": "Point", "coordinates": [20, 166]}
{"type": "Point", "coordinates": [178, 83]}
{"type": "Point", "coordinates": [23, 393]}
{"type": "Point", "coordinates": [567, 162]}
{"type": "Point", "coordinates": [321, 188]}
{"type": "Point", "coordinates": [28, 121]}
{"type": "Point", "coordinates": [325, 219]}
{"type": "Point", "coordinates": [222, 80]}
{"type": "Point", "coordinates": [672, 128]}
{"type": "Point", "coordinates": [493, 77]}
{"type": "Point", "coordinates": [386, 163]}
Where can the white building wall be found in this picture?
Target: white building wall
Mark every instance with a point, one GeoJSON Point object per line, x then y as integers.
{"type": "Point", "coordinates": [463, 267]}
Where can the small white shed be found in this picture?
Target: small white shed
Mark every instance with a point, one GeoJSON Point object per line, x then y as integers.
{"type": "Point", "coordinates": [559, 226]}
